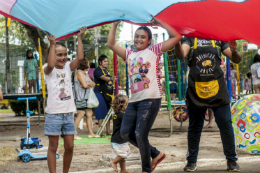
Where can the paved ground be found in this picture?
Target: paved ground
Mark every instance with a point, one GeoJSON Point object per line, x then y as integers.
{"type": "Point", "coordinates": [247, 164]}
{"type": "Point", "coordinates": [245, 168]}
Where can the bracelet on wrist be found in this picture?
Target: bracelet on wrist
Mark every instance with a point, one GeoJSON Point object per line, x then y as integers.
{"type": "Point", "coordinates": [111, 78]}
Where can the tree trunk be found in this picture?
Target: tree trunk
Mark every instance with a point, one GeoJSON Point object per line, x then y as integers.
{"type": "Point", "coordinates": [34, 34]}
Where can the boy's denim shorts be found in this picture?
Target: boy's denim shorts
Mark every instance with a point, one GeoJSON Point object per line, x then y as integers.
{"type": "Point", "coordinates": [59, 124]}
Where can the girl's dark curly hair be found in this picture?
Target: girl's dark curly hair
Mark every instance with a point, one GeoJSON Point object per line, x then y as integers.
{"type": "Point", "coordinates": [119, 102]}
{"type": "Point", "coordinates": [256, 58]}
{"type": "Point", "coordinates": [249, 74]}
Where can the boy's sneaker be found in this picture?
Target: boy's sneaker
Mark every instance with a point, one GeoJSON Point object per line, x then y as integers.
{"type": "Point", "coordinates": [232, 166]}
{"type": "Point", "coordinates": [190, 167]}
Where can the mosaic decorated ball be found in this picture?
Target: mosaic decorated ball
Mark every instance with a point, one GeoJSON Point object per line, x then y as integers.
{"type": "Point", "coordinates": [246, 123]}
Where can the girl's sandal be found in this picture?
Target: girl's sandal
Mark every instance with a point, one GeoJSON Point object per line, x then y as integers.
{"type": "Point", "coordinates": [157, 163]}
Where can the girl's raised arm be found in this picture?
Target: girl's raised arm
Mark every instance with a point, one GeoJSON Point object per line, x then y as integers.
{"type": "Point", "coordinates": [51, 57]}
{"type": "Point", "coordinates": [80, 53]}
{"type": "Point", "coordinates": [111, 42]}
{"type": "Point", "coordinates": [175, 37]}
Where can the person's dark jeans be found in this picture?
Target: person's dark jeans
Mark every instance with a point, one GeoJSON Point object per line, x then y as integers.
{"type": "Point", "coordinates": [137, 123]}
{"type": "Point", "coordinates": [223, 119]}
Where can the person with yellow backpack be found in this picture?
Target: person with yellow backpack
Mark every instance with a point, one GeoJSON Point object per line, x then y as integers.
{"type": "Point", "coordinates": [103, 90]}
{"type": "Point", "coordinates": [207, 89]}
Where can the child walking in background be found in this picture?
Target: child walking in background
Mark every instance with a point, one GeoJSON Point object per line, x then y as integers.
{"type": "Point", "coordinates": [160, 72]}
{"type": "Point", "coordinates": [31, 69]}
{"type": "Point", "coordinates": [120, 147]}
{"type": "Point", "coordinates": [247, 83]}
{"type": "Point", "coordinates": [60, 104]}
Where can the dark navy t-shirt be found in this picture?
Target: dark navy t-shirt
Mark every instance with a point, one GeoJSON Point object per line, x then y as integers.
{"type": "Point", "coordinates": [117, 121]}
{"type": "Point", "coordinates": [97, 74]}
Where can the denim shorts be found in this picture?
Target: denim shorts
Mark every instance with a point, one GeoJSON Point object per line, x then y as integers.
{"type": "Point", "coordinates": [59, 124]}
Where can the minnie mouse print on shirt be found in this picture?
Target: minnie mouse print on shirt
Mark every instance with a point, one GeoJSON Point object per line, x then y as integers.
{"type": "Point", "coordinates": [142, 71]}
{"type": "Point", "coordinates": [139, 80]}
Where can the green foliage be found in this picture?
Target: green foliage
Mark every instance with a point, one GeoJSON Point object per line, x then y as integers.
{"type": "Point", "coordinates": [16, 53]}
{"type": "Point", "coordinates": [20, 42]}
{"type": "Point", "coordinates": [246, 62]}
{"type": "Point", "coordinates": [17, 33]}
{"type": "Point", "coordinates": [239, 44]}
{"type": "Point", "coordinates": [247, 58]}
{"type": "Point", "coordinates": [89, 41]}
{"type": "Point", "coordinates": [19, 107]}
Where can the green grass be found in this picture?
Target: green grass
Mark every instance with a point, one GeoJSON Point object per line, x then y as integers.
{"type": "Point", "coordinates": [6, 111]}
{"type": "Point", "coordinates": [85, 140]}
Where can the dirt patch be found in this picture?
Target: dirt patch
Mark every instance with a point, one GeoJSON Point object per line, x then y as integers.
{"type": "Point", "coordinates": [86, 157]}
{"type": "Point", "coordinates": [7, 155]}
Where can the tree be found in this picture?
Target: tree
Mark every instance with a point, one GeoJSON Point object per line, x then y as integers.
{"type": "Point", "coordinates": [23, 35]}
{"type": "Point", "coordinates": [89, 41]}
{"type": "Point", "coordinates": [17, 33]}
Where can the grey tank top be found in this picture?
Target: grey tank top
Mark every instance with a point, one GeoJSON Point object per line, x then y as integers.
{"type": "Point", "coordinates": [81, 93]}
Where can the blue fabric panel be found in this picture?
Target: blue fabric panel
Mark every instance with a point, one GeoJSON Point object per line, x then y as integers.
{"type": "Point", "coordinates": [61, 17]}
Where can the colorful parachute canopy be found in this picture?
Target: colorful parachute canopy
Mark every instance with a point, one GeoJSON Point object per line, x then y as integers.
{"type": "Point", "coordinates": [211, 19]}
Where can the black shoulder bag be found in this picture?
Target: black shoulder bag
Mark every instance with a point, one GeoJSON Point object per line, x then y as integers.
{"type": "Point", "coordinates": [107, 88]}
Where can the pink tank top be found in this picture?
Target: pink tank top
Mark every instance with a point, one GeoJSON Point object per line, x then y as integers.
{"type": "Point", "coordinates": [91, 72]}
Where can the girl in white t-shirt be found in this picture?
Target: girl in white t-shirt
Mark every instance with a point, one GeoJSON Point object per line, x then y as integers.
{"type": "Point", "coordinates": [145, 88]}
{"type": "Point", "coordinates": [60, 104]}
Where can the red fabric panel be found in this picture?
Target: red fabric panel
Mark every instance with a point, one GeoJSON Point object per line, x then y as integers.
{"type": "Point", "coordinates": [216, 20]}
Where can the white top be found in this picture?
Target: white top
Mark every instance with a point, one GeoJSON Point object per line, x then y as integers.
{"type": "Point", "coordinates": [142, 71]}
{"type": "Point", "coordinates": [234, 77]}
{"type": "Point", "coordinates": [256, 81]}
{"type": "Point", "coordinates": [59, 86]}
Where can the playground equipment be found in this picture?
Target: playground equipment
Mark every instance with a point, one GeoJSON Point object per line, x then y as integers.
{"type": "Point", "coordinates": [107, 118]}
{"type": "Point", "coordinates": [174, 69]}
{"type": "Point", "coordinates": [12, 74]}
{"type": "Point", "coordinates": [30, 143]}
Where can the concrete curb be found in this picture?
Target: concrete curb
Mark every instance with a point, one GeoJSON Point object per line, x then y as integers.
{"type": "Point", "coordinates": [179, 165]}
